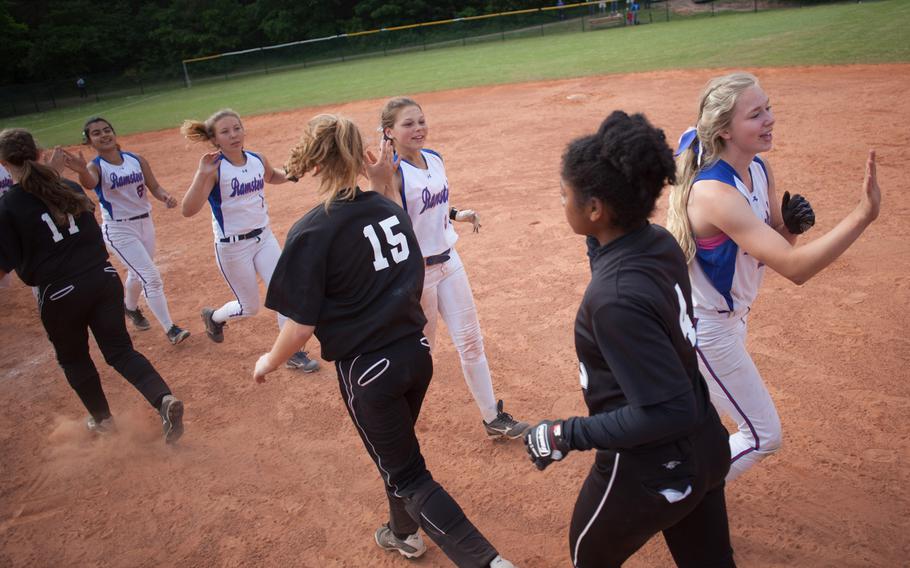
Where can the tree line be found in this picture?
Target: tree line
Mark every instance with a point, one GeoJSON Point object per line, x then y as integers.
{"type": "Point", "coordinates": [52, 39]}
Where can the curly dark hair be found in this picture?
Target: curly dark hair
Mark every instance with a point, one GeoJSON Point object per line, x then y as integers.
{"type": "Point", "coordinates": [626, 165]}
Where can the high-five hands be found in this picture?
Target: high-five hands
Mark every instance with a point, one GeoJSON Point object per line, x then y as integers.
{"type": "Point", "coordinates": [546, 443]}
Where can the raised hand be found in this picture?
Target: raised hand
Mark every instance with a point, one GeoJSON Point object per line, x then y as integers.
{"type": "Point", "coordinates": [208, 163]}
{"type": "Point", "coordinates": [381, 170]}
{"type": "Point", "coordinates": [75, 162]}
{"type": "Point", "coordinates": [871, 201]}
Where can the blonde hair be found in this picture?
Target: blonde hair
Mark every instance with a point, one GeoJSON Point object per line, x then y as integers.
{"type": "Point", "coordinates": [332, 147]}
{"type": "Point", "coordinates": [196, 131]}
{"type": "Point", "coordinates": [715, 113]}
{"type": "Point", "coordinates": [391, 109]}
{"type": "Point", "coordinates": [18, 148]}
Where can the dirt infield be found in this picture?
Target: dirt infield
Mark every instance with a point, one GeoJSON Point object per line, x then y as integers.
{"type": "Point", "coordinates": [275, 475]}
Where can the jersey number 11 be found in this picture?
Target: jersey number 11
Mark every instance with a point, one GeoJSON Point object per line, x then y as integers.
{"type": "Point", "coordinates": [397, 241]}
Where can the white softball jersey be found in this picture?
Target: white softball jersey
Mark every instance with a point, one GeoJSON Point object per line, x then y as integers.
{"type": "Point", "coordinates": [724, 278]}
{"type": "Point", "coordinates": [121, 188]}
{"type": "Point", "coordinates": [425, 196]}
{"type": "Point", "coordinates": [238, 197]}
{"type": "Point", "coordinates": [6, 180]}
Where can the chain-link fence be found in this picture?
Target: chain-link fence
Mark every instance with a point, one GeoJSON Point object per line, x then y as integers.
{"type": "Point", "coordinates": [556, 19]}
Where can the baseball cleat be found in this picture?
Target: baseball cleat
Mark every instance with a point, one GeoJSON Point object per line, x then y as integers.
{"type": "Point", "coordinates": [104, 426]}
{"type": "Point", "coordinates": [213, 329]}
{"type": "Point", "coordinates": [500, 562]}
{"type": "Point", "coordinates": [177, 334]}
{"type": "Point", "coordinates": [411, 547]}
{"type": "Point", "coordinates": [139, 321]}
{"type": "Point", "coordinates": [171, 412]}
{"type": "Point", "coordinates": [504, 426]}
{"type": "Point", "coordinates": [300, 361]}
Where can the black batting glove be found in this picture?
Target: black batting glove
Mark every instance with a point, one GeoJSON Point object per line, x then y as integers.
{"type": "Point", "coordinates": [798, 214]}
{"type": "Point", "coordinates": [546, 443]}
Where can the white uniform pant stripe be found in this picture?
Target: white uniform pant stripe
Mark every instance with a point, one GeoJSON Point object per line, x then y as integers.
{"type": "Point", "coordinates": [596, 512]}
{"type": "Point", "coordinates": [738, 391]}
{"type": "Point", "coordinates": [240, 263]}
{"type": "Point", "coordinates": [349, 388]}
{"type": "Point", "coordinates": [447, 292]}
{"type": "Point", "coordinates": [133, 242]}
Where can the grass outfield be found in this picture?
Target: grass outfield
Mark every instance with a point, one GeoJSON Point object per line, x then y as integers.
{"type": "Point", "coordinates": [869, 32]}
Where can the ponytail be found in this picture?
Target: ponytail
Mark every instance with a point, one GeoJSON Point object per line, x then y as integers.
{"type": "Point", "coordinates": [17, 147]}
{"type": "Point", "coordinates": [331, 147]}
{"type": "Point", "coordinates": [702, 150]}
{"type": "Point", "coordinates": [196, 131]}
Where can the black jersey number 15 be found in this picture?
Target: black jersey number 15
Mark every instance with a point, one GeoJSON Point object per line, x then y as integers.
{"type": "Point", "coordinates": [397, 241]}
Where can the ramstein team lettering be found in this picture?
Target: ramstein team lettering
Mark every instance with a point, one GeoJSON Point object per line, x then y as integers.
{"type": "Point", "coordinates": [119, 181]}
{"type": "Point", "coordinates": [238, 188]}
{"type": "Point", "coordinates": [431, 200]}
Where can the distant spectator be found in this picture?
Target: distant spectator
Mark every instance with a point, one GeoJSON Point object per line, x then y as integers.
{"type": "Point", "coordinates": [602, 7]}
{"type": "Point", "coordinates": [562, 13]}
{"type": "Point", "coordinates": [80, 84]}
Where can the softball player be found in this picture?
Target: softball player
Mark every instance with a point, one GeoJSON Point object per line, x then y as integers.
{"type": "Point", "coordinates": [48, 233]}
{"type": "Point", "coordinates": [233, 180]}
{"type": "Point", "coordinates": [420, 186]}
{"type": "Point", "coordinates": [661, 450]}
{"type": "Point", "coordinates": [6, 181]}
{"type": "Point", "coordinates": [352, 273]}
{"type": "Point", "coordinates": [122, 181]}
{"type": "Point", "coordinates": [722, 215]}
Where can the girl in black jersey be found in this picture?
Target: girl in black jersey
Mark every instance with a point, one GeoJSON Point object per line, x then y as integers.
{"type": "Point", "coordinates": [662, 452]}
{"type": "Point", "coordinates": [49, 235]}
{"type": "Point", "coordinates": [351, 273]}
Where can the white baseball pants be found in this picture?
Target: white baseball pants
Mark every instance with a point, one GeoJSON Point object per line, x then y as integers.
{"type": "Point", "coordinates": [737, 390]}
{"type": "Point", "coordinates": [133, 242]}
{"type": "Point", "coordinates": [446, 291]}
{"type": "Point", "coordinates": [240, 262]}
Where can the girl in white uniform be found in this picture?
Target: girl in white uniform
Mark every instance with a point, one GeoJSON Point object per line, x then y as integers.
{"type": "Point", "coordinates": [233, 180]}
{"type": "Point", "coordinates": [724, 213]}
{"type": "Point", "coordinates": [122, 181]}
{"type": "Point", "coordinates": [421, 187]}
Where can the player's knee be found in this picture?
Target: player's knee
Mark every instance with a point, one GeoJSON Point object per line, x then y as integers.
{"type": "Point", "coordinates": [154, 286]}
{"type": "Point", "coordinates": [771, 442]}
{"type": "Point", "coordinates": [250, 309]}
{"type": "Point", "coordinates": [469, 342]}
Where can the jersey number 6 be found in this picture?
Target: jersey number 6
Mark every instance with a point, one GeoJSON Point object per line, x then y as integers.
{"type": "Point", "coordinates": [397, 241]}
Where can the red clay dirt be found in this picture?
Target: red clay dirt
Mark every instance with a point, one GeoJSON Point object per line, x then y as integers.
{"type": "Point", "coordinates": [275, 475]}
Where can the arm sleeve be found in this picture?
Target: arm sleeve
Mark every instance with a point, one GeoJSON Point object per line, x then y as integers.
{"type": "Point", "coordinates": [297, 287]}
{"type": "Point", "coordinates": [632, 426]}
{"type": "Point", "coordinates": [639, 351]}
{"type": "Point", "coordinates": [10, 251]}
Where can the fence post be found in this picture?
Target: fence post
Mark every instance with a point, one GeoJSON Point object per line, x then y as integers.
{"type": "Point", "coordinates": [667, 6]}
{"type": "Point", "coordinates": [186, 76]}
{"type": "Point", "coordinates": [35, 101]}
{"type": "Point", "coordinates": [265, 61]}
{"type": "Point", "coordinates": [754, 5]}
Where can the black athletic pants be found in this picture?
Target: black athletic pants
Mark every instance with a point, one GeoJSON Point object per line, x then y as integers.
{"type": "Point", "coordinates": [383, 392]}
{"type": "Point", "coordinates": [620, 505]}
{"type": "Point", "coordinates": [94, 300]}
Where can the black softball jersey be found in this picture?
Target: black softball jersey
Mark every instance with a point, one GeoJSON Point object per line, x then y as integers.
{"type": "Point", "coordinates": [40, 251]}
{"type": "Point", "coordinates": [635, 343]}
{"type": "Point", "coordinates": [355, 272]}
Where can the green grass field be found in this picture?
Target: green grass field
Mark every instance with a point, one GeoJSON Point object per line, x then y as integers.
{"type": "Point", "coordinates": [868, 32]}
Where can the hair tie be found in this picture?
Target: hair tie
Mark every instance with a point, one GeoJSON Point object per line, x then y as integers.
{"type": "Point", "coordinates": [688, 138]}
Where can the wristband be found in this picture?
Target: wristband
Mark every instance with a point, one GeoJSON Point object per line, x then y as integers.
{"type": "Point", "coordinates": [452, 213]}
